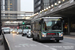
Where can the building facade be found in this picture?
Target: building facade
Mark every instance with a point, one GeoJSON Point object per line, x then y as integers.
{"type": "Point", "coordinates": [40, 5]}
{"type": "Point", "coordinates": [43, 4]}
{"type": "Point", "coordinates": [9, 5]}
{"type": "Point", "coordinates": [1, 4]}
{"type": "Point", "coordinates": [12, 5]}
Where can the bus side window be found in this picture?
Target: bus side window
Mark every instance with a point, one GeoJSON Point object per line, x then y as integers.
{"type": "Point", "coordinates": [38, 26]}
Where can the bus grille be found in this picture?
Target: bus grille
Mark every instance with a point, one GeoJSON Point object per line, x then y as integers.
{"type": "Point", "coordinates": [52, 35]}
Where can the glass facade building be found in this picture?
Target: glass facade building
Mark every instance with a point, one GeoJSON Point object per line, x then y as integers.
{"type": "Point", "coordinates": [12, 5]}
{"type": "Point", "coordinates": [40, 4]}
{"type": "Point", "coordinates": [46, 3]}
{"type": "Point", "coordinates": [43, 4]}
{"type": "Point", "coordinates": [37, 5]}
{"type": "Point", "coordinates": [1, 4]}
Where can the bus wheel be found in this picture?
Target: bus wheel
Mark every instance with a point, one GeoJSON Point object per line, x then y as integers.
{"type": "Point", "coordinates": [57, 40]}
{"type": "Point", "coordinates": [33, 39]}
{"type": "Point", "coordinates": [38, 38]}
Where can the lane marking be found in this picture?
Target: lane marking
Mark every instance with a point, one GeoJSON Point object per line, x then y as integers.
{"type": "Point", "coordinates": [47, 46]}
{"type": "Point", "coordinates": [25, 45]}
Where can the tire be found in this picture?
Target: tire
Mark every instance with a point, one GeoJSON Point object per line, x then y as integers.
{"type": "Point", "coordinates": [38, 38]}
{"type": "Point", "coordinates": [27, 37]}
{"type": "Point", "coordinates": [34, 38]}
{"type": "Point", "coordinates": [57, 41]}
{"type": "Point", "coordinates": [22, 34]}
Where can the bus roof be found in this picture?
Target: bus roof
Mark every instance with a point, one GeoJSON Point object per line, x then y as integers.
{"type": "Point", "coordinates": [46, 18]}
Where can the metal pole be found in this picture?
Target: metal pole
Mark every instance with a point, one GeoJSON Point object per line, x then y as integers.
{"type": "Point", "coordinates": [0, 18]}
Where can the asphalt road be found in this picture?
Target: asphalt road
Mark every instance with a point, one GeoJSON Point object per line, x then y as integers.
{"type": "Point", "coordinates": [17, 42]}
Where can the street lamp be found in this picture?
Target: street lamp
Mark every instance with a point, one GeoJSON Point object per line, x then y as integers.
{"type": "Point", "coordinates": [52, 5]}
{"type": "Point", "coordinates": [49, 7]}
{"type": "Point", "coordinates": [27, 17]}
{"type": "Point", "coordinates": [59, 2]}
{"type": "Point", "coordinates": [42, 10]}
{"type": "Point", "coordinates": [55, 3]}
{"type": "Point", "coordinates": [63, 0]}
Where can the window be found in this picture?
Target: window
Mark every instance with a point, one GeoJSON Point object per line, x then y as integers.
{"type": "Point", "coordinates": [39, 8]}
{"type": "Point", "coordinates": [10, 9]}
{"type": "Point", "coordinates": [39, 2]}
{"type": "Point", "coordinates": [37, 26]}
{"type": "Point", "coordinates": [46, 3]}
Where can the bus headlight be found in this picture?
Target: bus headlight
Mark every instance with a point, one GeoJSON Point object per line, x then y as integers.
{"type": "Point", "coordinates": [43, 34]}
{"type": "Point", "coordinates": [60, 34]}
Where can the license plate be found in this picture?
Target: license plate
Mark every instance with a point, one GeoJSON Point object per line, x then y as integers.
{"type": "Point", "coordinates": [52, 38]}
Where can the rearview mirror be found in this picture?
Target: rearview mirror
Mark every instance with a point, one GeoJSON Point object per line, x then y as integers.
{"type": "Point", "coordinates": [41, 21]}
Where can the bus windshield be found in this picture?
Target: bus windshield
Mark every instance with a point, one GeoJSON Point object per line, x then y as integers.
{"type": "Point", "coordinates": [52, 26]}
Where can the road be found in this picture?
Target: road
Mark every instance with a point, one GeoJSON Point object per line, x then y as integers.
{"type": "Point", "coordinates": [17, 42]}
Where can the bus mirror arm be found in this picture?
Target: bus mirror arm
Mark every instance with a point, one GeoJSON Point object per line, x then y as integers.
{"type": "Point", "coordinates": [41, 21]}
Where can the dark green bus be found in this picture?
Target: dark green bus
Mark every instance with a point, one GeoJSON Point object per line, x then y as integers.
{"type": "Point", "coordinates": [47, 28]}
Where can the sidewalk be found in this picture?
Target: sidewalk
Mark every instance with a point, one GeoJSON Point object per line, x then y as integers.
{"type": "Point", "coordinates": [2, 47]}
{"type": "Point", "coordinates": [1, 44]}
{"type": "Point", "coordinates": [69, 36]}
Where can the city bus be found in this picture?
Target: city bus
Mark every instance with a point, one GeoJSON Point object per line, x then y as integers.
{"type": "Point", "coordinates": [47, 28]}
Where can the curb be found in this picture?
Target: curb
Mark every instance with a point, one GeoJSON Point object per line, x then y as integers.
{"type": "Point", "coordinates": [6, 44]}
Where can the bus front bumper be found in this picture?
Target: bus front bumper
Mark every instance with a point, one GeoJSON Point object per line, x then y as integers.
{"type": "Point", "coordinates": [51, 38]}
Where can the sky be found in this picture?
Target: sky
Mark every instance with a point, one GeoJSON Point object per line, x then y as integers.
{"type": "Point", "coordinates": [27, 5]}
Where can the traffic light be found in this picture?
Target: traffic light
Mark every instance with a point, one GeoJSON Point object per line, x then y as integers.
{"type": "Point", "coordinates": [23, 23]}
